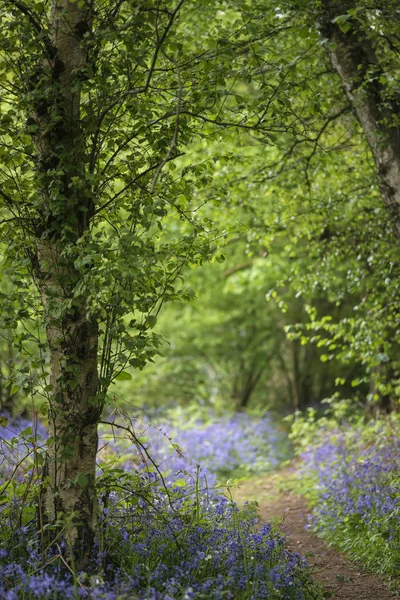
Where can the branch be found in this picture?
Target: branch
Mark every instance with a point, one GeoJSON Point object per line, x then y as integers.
{"type": "Point", "coordinates": [142, 89]}
{"type": "Point", "coordinates": [8, 220]}
{"type": "Point", "coordinates": [6, 197]}
{"type": "Point", "coordinates": [174, 137]}
{"type": "Point", "coordinates": [132, 182]}
{"type": "Point", "coordinates": [161, 41]}
{"type": "Point", "coordinates": [114, 12]}
{"type": "Point", "coordinates": [228, 124]}
{"type": "Point", "coordinates": [128, 139]}
{"type": "Point", "coordinates": [316, 139]}
{"type": "Point", "coordinates": [237, 268]}
{"type": "Point", "coordinates": [21, 6]}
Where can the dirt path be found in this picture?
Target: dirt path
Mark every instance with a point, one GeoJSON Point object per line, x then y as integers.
{"type": "Point", "coordinates": [341, 578]}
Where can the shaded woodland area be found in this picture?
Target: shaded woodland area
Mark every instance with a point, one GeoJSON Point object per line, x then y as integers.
{"type": "Point", "coordinates": [200, 211]}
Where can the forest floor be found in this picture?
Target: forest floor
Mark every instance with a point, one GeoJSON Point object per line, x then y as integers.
{"type": "Point", "coordinates": [341, 578]}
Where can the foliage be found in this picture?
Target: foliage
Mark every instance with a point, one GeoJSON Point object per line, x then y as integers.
{"type": "Point", "coordinates": [151, 555]}
{"type": "Point", "coordinates": [296, 174]}
{"type": "Point", "coordinates": [223, 446]}
{"type": "Point", "coordinates": [124, 220]}
{"type": "Point", "coordinates": [308, 191]}
{"type": "Point", "coordinates": [350, 473]}
{"type": "Point", "coordinates": [155, 542]}
{"type": "Point", "coordinates": [223, 348]}
{"type": "Point", "coordinates": [178, 128]}
{"type": "Point", "coordinates": [303, 208]}
{"type": "Point", "coordinates": [231, 350]}
{"type": "Point", "coordinates": [97, 104]}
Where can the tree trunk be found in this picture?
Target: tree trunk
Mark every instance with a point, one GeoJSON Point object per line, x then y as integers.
{"type": "Point", "coordinates": [245, 389]}
{"type": "Point", "coordinates": [70, 497]}
{"type": "Point", "coordinates": [353, 56]}
{"type": "Point", "coordinates": [296, 375]}
{"type": "Point", "coordinates": [9, 403]}
{"type": "Point", "coordinates": [7, 400]}
{"type": "Point", "coordinates": [66, 208]}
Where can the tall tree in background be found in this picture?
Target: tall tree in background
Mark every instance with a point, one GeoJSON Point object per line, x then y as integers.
{"type": "Point", "coordinates": [362, 41]}
{"type": "Point", "coordinates": [316, 168]}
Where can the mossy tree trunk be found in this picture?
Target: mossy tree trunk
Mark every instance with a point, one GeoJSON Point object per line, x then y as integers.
{"type": "Point", "coordinates": [70, 497]}
{"type": "Point", "coordinates": [67, 206]}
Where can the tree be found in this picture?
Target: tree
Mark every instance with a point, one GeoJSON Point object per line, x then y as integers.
{"type": "Point", "coordinates": [362, 43]}
{"type": "Point", "coordinates": [99, 100]}
{"type": "Point", "coordinates": [92, 120]}
{"type": "Point", "coordinates": [326, 158]}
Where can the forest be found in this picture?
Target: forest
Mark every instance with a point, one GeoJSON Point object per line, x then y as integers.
{"type": "Point", "coordinates": [199, 299]}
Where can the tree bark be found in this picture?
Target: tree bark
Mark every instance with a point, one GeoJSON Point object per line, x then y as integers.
{"type": "Point", "coordinates": [354, 58]}
{"type": "Point", "coordinates": [70, 499]}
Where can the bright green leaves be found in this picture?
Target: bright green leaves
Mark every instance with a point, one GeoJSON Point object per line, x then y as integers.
{"type": "Point", "coordinates": [224, 123]}
{"type": "Point", "coordinates": [106, 193]}
{"type": "Point", "coordinates": [344, 22]}
{"type": "Point", "coordinates": [123, 376]}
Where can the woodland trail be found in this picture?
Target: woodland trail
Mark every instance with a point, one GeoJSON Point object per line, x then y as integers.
{"type": "Point", "coordinates": [341, 578]}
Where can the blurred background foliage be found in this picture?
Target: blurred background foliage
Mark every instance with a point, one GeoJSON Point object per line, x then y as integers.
{"type": "Point", "coordinates": [300, 300]}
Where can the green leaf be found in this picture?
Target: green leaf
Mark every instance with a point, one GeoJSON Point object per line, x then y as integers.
{"type": "Point", "coordinates": [123, 376]}
{"type": "Point", "coordinates": [44, 409]}
{"type": "Point", "coordinates": [180, 483]}
{"type": "Point", "coordinates": [26, 432]}
{"type": "Point", "coordinates": [344, 27]}
{"type": "Point", "coordinates": [151, 320]}
{"type": "Point", "coordinates": [304, 32]}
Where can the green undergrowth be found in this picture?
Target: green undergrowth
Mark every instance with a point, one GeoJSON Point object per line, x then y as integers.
{"type": "Point", "coordinates": [162, 535]}
{"type": "Point", "coordinates": [348, 470]}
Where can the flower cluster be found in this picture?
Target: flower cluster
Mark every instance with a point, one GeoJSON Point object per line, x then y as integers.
{"type": "Point", "coordinates": [19, 440]}
{"type": "Point", "coordinates": [237, 443]}
{"type": "Point", "coordinates": [201, 547]}
{"type": "Point", "coordinates": [356, 484]}
{"type": "Point", "coordinates": [166, 534]}
{"type": "Point", "coordinates": [226, 447]}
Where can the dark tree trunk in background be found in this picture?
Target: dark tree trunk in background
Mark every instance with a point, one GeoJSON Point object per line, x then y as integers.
{"type": "Point", "coordinates": [7, 366]}
{"type": "Point", "coordinates": [353, 54]}
{"type": "Point", "coordinates": [296, 375]}
{"type": "Point", "coordinates": [244, 387]}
